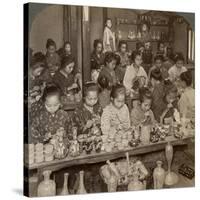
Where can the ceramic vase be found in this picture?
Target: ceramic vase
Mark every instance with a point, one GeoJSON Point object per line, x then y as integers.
{"type": "Point", "coordinates": [158, 176]}
{"type": "Point", "coordinates": [65, 185]}
{"type": "Point", "coordinates": [81, 187]}
{"type": "Point", "coordinates": [171, 178]}
{"type": "Point", "coordinates": [47, 187]}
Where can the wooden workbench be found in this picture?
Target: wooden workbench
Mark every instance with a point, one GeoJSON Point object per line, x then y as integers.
{"type": "Point", "coordinates": [103, 156]}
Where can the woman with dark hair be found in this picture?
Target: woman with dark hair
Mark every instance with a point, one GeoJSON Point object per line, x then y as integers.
{"type": "Point", "coordinates": [187, 101]}
{"type": "Point", "coordinates": [97, 59]}
{"type": "Point", "coordinates": [134, 70]}
{"type": "Point", "coordinates": [52, 58]}
{"type": "Point", "coordinates": [64, 78]}
{"type": "Point", "coordinates": [50, 117]}
{"type": "Point", "coordinates": [65, 51]}
{"type": "Point", "coordinates": [176, 70]}
{"type": "Point", "coordinates": [109, 69]}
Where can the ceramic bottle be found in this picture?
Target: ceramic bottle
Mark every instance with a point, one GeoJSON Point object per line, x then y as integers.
{"type": "Point", "coordinates": [47, 187]}
{"type": "Point", "coordinates": [81, 187]}
{"type": "Point", "coordinates": [158, 176]}
{"type": "Point", "coordinates": [65, 185]}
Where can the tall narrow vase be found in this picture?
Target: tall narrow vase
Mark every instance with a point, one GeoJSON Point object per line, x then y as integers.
{"type": "Point", "coordinates": [171, 177]}
{"type": "Point", "coordinates": [47, 187]}
{"type": "Point", "coordinates": [81, 188]}
{"type": "Point", "coordinates": [65, 185]}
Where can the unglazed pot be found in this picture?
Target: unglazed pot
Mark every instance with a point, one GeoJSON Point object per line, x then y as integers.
{"type": "Point", "coordinates": [47, 187]}
{"type": "Point", "coordinates": [81, 188]}
{"type": "Point", "coordinates": [65, 185]}
{"type": "Point", "coordinates": [159, 176]}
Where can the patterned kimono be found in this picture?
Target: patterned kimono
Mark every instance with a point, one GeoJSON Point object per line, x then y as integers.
{"type": "Point", "coordinates": [114, 119]}
{"type": "Point", "coordinates": [108, 40]}
{"type": "Point", "coordinates": [97, 60]}
{"type": "Point", "coordinates": [45, 123]}
{"type": "Point", "coordinates": [82, 115]}
{"type": "Point", "coordinates": [110, 75]}
{"type": "Point", "coordinates": [63, 81]}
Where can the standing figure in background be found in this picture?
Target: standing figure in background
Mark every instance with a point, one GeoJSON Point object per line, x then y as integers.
{"type": "Point", "coordinates": [108, 37]}
{"type": "Point", "coordinates": [145, 32]}
{"type": "Point", "coordinates": [97, 59]}
{"type": "Point", "coordinates": [109, 69]}
{"type": "Point", "coordinates": [187, 101]}
{"type": "Point", "coordinates": [52, 58]}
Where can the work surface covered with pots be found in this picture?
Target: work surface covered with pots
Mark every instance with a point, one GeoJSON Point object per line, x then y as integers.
{"type": "Point", "coordinates": [84, 145]}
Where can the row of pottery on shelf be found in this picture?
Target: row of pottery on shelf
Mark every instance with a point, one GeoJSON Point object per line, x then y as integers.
{"type": "Point", "coordinates": [47, 187]}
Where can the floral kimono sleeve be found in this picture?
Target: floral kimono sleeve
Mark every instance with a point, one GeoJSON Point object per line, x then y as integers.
{"type": "Point", "coordinates": [78, 121]}
{"type": "Point", "coordinates": [36, 134]}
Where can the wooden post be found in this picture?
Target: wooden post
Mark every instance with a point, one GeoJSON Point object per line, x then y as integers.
{"type": "Point", "coordinates": [86, 44]}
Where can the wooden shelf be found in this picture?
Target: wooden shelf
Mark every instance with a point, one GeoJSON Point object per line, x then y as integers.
{"type": "Point", "coordinates": [136, 24]}
{"type": "Point", "coordinates": [137, 40]}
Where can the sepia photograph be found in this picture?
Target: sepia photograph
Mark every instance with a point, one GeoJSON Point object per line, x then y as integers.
{"type": "Point", "coordinates": [109, 99]}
